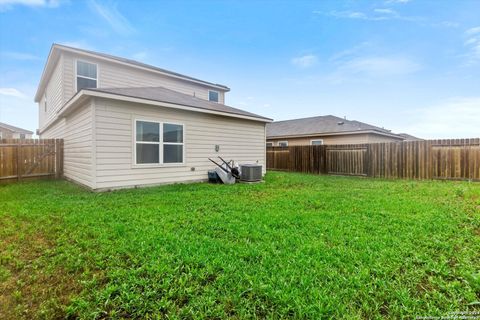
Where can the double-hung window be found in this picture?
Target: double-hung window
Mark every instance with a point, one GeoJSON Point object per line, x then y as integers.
{"type": "Point", "coordinates": [158, 143]}
{"type": "Point", "coordinates": [86, 75]}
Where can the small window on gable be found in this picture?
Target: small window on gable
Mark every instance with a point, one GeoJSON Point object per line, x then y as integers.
{"type": "Point", "coordinates": [213, 96]}
{"type": "Point", "coordinates": [86, 75]}
{"type": "Point", "coordinates": [316, 142]}
{"type": "Point", "coordinates": [45, 103]}
{"type": "Point", "coordinates": [283, 143]}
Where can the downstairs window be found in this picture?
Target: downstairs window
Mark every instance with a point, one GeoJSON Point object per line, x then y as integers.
{"type": "Point", "coordinates": [158, 143]}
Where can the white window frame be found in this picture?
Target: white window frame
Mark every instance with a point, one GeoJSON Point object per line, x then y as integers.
{"type": "Point", "coordinates": [269, 144]}
{"type": "Point", "coordinates": [160, 144]}
{"type": "Point", "coordinates": [311, 141]}
{"type": "Point", "coordinates": [1, 135]}
{"type": "Point", "coordinates": [218, 93]}
{"type": "Point", "coordinates": [45, 106]}
{"type": "Point", "coordinates": [76, 75]}
{"type": "Point", "coordinates": [283, 141]}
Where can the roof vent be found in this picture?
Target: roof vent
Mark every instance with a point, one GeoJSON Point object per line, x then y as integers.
{"type": "Point", "coordinates": [340, 123]}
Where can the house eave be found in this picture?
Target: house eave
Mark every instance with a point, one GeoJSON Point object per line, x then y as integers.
{"type": "Point", "coordinates": [85, 94]}
{"type": "Point", "coordinates": [318, 134]}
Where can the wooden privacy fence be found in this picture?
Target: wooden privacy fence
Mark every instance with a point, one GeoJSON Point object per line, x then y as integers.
{"type": "Point", "coordinates": [457, 159]}
{"type": "Point", "coordinates": [30, 159]}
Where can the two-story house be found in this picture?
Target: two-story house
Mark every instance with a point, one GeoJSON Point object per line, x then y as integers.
{"type": "Point", "coordinates": [7, 131]}
{"type": "Point", "coordinates": [127, 124]}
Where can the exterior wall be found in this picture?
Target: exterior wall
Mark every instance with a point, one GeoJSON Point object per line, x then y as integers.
{"type": "Point", "coordinates": [53, 95]}
{"type": "Point", "coordinates": [337, 139]}
{"type": "Point", "coordinates": [241, 140]}
{"type": "Point", "coordinates": [6, 134]}
{"type": "Point", "coordinates": [117, 75]}
{"type": "Point", "coordinates": [77, 131]}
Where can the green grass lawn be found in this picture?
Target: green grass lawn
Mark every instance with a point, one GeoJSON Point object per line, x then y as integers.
{"type": "Point", "coordinates": [296, 246]}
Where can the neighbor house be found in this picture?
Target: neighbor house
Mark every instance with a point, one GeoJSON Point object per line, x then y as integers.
{"type": "Point", "coordinates": [325, 130]}
{"type": "Point", "coordinates": [8, 131]}
{"type": "Point", "coordinates": [126, 123]}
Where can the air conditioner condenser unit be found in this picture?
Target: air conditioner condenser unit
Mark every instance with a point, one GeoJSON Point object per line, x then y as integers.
{"type": "Point", "coordinates": [251, 172]}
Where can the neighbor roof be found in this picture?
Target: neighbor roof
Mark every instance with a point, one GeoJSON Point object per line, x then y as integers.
{"type": "Point", "coordinates": [57, 47]}
{"type": "Point", "coordinates": [14, 129]}
{"type": "Point", "coordinates": [321, 125]}
{"type": "Point", "coordinates": [409, 137]}
{"type": "Point", "coordinates": [161, 94]}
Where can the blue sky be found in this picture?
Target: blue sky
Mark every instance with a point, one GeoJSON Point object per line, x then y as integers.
{"type": "Point", "coordinates": [409, 66]}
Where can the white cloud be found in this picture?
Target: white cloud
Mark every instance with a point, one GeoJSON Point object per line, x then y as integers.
{"type": "Point", "coordinates": [112, 16]}
{"type": "Point", "coordinates": [19, 56]}
{"type": "Point", "coordinates": [378, 66]}
{"type": "Point", "coordinates": [305, 61]}
{"type": "Point", "coordinates": [472, 31]}
{"type": "Point", "coordinates": [473, 46]}
{"type": "Point", "coordinates": [387, 11]}
{"type": "Point", "coordinates": [8, 4]}
{"type": "Point", "coordinates": [455, 118]}
{"type": "Point", "coordinates": [379, 14]}
{"type": "Point", "coordinates": [12, 92]}
{"type": "Point", "coordinates": [397, 1]}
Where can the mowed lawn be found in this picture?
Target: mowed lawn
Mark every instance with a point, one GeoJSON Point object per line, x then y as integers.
{"type": "Point", "coordinates": [296, 246]}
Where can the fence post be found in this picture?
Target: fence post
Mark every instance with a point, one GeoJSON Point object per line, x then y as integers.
{"type": "Point", "coordinates": [58, 158]}
{"type": "Point", "coordinates": [19, 153]}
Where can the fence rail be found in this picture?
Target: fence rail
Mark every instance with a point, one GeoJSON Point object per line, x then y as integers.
{"type": "Point", "coordinates": [457, 159]}
{"type": "Point", "coordinates": [30, 159]}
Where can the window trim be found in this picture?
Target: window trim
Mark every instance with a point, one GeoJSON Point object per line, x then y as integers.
{"type": "Point", "coordinates": [160, 164]}
{"type": "Point", "coordinates": [269, 144]}
{"type": "Point", "coordinates": [311, 142]}
{"type": "Point", "coordinates": [218, 93]}
{"type": "Point", "coordinates": [76, 75]}
{"type": "Point", "coordinates": [285, 141]}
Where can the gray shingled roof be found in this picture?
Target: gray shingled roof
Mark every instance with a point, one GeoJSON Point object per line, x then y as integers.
{"type": "Point", "coordinates": [409, 137]}
{"type": "Point", "coordinates": [14, 129]}
{"type": "Point", "coordinates": [161, 94]}
{"type": "Point", "coordinates": [319, 125]}
{"type": "Point", "coordinates": [144, 65]}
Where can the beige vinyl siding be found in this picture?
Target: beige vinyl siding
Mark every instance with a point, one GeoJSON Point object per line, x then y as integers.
{"type": "Point", "coordinates": [54, 95]}
{"type": "Point", "coordinates": [77, 131]}
{"type": "Point", "coordinates": [241, 140]}
{"type": "Point", "coordinates": [337, 139]}
{"type": "Point", "coordinates": [112, 75]}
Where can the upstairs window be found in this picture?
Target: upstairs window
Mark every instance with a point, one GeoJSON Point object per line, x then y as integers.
{"type": "Point", "coordinates": [213, 96]}
{"type": "Point", "coordinates": [86, 75]}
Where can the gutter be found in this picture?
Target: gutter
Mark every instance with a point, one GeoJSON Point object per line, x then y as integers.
{"type": "Point", "coordinates": [318, 134]}
{"type": "Point", "coordinates": [84, 94]}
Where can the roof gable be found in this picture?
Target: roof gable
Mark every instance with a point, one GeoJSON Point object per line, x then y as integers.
{"type": "Point", "coordinates": [14, 129]}
{"type": "Point", "coordinates": [56, 50]}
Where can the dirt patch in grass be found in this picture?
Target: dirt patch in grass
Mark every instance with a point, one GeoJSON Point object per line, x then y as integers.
{"type": "Point", "coordinates": [29, 288]}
